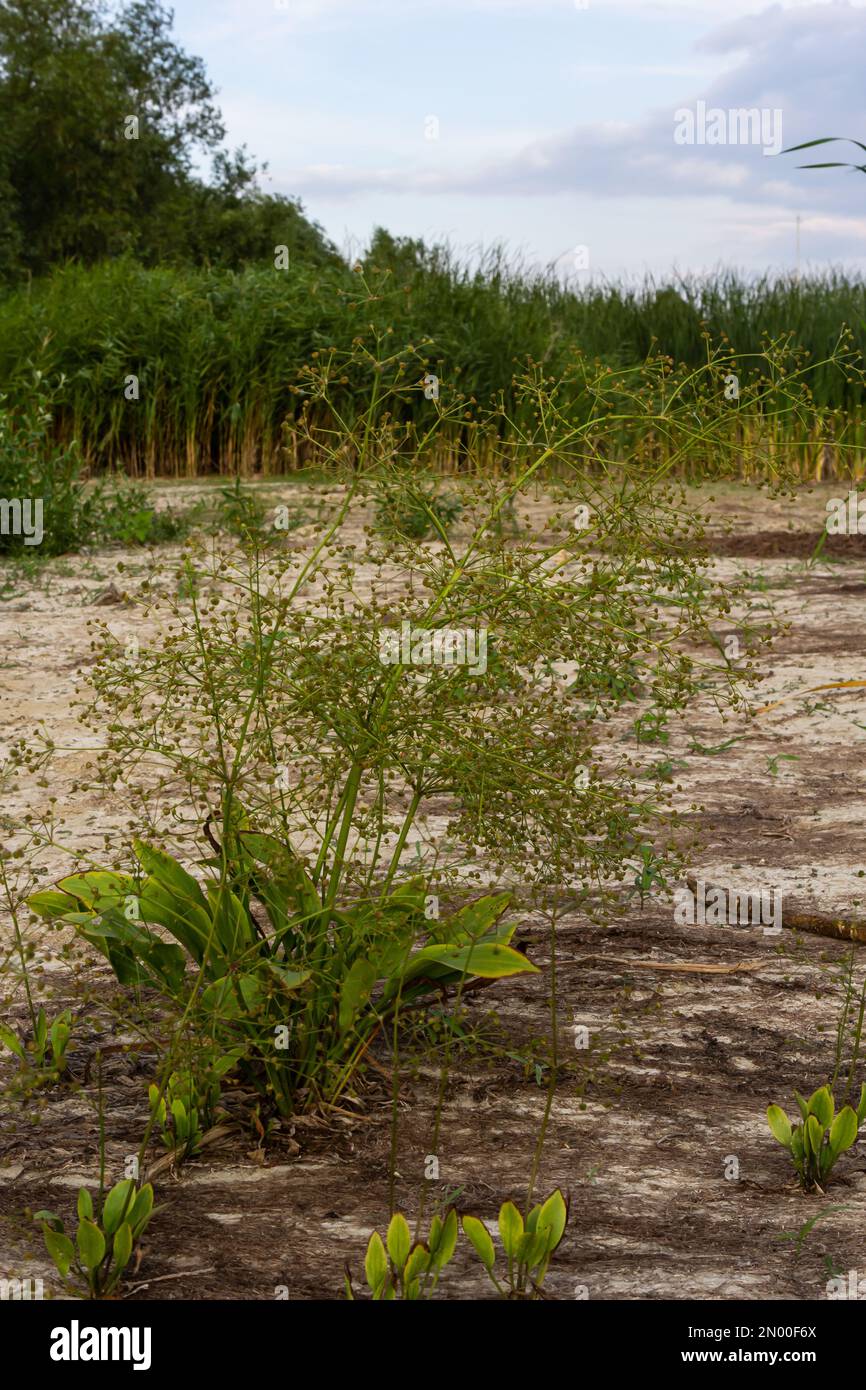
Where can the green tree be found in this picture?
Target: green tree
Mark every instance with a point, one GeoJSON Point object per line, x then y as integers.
{"type": "Point", "coordinates": [102, 117]}
{"type": "Point", "coordinates": [231, 222]}
{"type": "Point", "coordinates": [403, 256]}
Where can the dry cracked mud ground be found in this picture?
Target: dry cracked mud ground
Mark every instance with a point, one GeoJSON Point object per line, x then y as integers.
{"type": "Point", "coordinates": [657, 1130]}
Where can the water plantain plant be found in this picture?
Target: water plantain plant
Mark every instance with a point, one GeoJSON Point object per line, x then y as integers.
{"type": "Point", "coordinates": [816, 1143]}
{"type": "Point", "coordinates": [190, 1102]}
{"type": "Point", "coordinates": [528, 1245]}
{"type": "Point", "coordinates": [344, 697]}
{"type": "Point", "coordinates": [176, 1117]}
{"type": "Point", "coordinates": [93, 1265]}
{"type": "Point", "coordinates": [260, 958]}
{"type": "Point", "coordinates": [397, 1268]}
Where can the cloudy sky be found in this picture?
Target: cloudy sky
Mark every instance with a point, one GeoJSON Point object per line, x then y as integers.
{"type": "Point", "coordinates": [555, 126]}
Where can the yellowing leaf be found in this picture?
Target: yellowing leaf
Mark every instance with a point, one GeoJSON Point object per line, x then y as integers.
{"type": "Point", "coordinates": [779, 1124]}
{"type": "Point", "coordinates": [478, 1234]}
{"type": "Point", "coordinates": [554, 1213]}
{"type": "Point", "coordinates": [490, 961]}
{"type": "Point", "coordinates": [399, 1240]}
{"type": "Point", "coordinates": [376, 1264]}
{"type": "Point", "coordinates": [843, 1131]}
{"type": "Point", "coordinates": [91, 1244]}
{"type": "Point", "coordinates": [118, 1205]}
{"type": "Point", "coordinates": [60, 1248]}
{"type": "Point", "coordinates": [821, 1106]}
{"type": "Point", "coordinates": [510, 1229]}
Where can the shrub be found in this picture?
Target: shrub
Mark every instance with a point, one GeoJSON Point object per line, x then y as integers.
{"type": "Point", "coordinates": [46, 476]}
{"type": "Point", "coordinates": [71, 513]}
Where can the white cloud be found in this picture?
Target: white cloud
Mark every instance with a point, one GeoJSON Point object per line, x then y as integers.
{"type": "Point", "coordinates": [806, 61]}
{"type": "Point", "coordinates": [619, 69]}
{"type": "Point", "coordinates": [310, 13]}
{"type": "Point", "coordinates": [226, 17]}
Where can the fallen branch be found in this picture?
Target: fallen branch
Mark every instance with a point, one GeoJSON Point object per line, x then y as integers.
{"type": "Point", "coordinates": [680, 967]}
{"type": "Point", "coordinates": [812, 690]}
{"type": "Point", "coordinates": [803, 919]}
{"type": "Point", "coordinates": [160, 1278]}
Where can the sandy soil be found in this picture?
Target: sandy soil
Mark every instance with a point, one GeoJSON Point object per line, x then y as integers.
{"type": "Point", "coordinates": [646, 1123]}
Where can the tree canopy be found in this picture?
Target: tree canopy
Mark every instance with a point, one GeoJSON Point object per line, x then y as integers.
{"type": "Point", "coordinates": [103, 118]}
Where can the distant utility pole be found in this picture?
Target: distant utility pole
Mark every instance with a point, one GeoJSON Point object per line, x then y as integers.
{"type": "Point", "coordinates": [798, 248]}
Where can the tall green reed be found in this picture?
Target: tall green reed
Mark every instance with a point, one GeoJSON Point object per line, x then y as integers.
{"type": "Point", "coordinates": [220, 356]}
